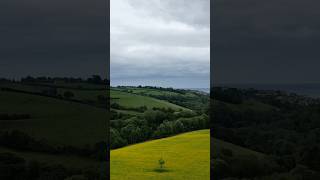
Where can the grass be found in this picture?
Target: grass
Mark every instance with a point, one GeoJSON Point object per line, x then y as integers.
{"type": "Point", "coordinates": [51, 159]}
{"type": "Point", "coordinates": [133, 100]}
{"type": "Point", "coordinates": [63, 122]}
{"type": "Point", "coordinates": [59, 122]}
{"type": "Point", "coordinates": [85, 95]}
{"type": "Point", "coordinates": [123, 98]}
{"type": "Point", "coordinates": [237, 150]}
{"type": "Point", "coordinates": [187, 156]}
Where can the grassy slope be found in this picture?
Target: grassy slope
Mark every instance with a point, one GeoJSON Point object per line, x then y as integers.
{"type": "Point", "coordinates": [237, 150]}
{"type": "Point", "coordinates": [60, 122]}
{"type": "Point", "coordinates": [187, 156]}
{"type": "Point", "coordinates": [132, 100]}
{"type": "Point", "coordinates": [123, 98]}
{"type": "Point", "coordinates": [51, 159]}
{"type": "Point", "coordinates": [252, 105]}
{"type": "Point", "coordinates": [163, 92]}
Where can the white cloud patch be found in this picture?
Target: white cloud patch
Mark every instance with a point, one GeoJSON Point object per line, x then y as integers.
{"type": "Point", "coordinates": [154, 39]}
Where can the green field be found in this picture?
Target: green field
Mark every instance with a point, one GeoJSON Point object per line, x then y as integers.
{"type": "Point", "coordinates": [187, 156]}
{"type": "Point", "coordinates": [149, 91]}
{"type": "Point", "coordinates": [237, 150]}
{"type": "Point", "coordinates": [64, 122]}
{"type": "Point", "coordinates": [51, 159]}
{"type": "Point", "coordinates": [60, 122]}
{"type": "Point", "coordinates": [132, 100]}
{"type": "Point", "coordinates": [80, 122]}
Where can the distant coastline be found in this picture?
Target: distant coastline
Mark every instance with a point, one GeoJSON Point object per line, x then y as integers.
{"type": "Point", "coordinates": [205, 90]}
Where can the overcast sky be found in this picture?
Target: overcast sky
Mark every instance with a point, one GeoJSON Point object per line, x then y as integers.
{"type": "Point", "coordinates": [53, 38]}
{"type": "Point", "coordinates": [266, 41]}
{"type": "Point", "coordinates": [163, 42]}
{"type": "Point", "coordinates": [160, 43]}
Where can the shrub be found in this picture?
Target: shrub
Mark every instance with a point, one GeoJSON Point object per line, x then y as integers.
{"type": "Point", "coordinates": [161, 163]}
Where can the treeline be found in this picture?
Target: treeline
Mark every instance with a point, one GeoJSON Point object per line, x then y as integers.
{"type": "Point", "coordinates": [273, 97]}
{"type": "Point", "coordinates": [230, 95]}
{"type": "Point", "coordinates": [15, 167]}
{"type": "Point", "coordinates": [52, 92]}
{"type": "Point", "coordinates": [95, 79]}
{"type": "Point", "coordinates": [152, 124]}
{"type": "Point", "coordinates": [180, 91]}
{"type": "Point", "coordinates": [282, 125]}
{"type": "Point", "coordinates": [21, 141]}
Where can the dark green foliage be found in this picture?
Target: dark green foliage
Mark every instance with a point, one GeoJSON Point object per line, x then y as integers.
{"type": "Point", "coordinates": [15, 124]}
{"type": "Point", "coordinates": [21, 141]}
{"type": "Point", "coordinates": [220, 169]}
{"type": "Point", "coordinates": [198, 102]}
{"type": "Point", "coordinates": [11, 167]}
{"type": "Point", "coordinates": [283, 125]}
{"type": "Point", "coordinates": [116, 139]}
{"type": "Point", "coordinates": [310, 156]}
{"type": "Point", "coordinates": [247, 167]}
{"type": "Point", "coordinates": [102, 99]}
{"type": "Point", "coordinates": [6, 116]}
{"type": "Point", "coordinates": [68, 94]}
{"type": "Point", "coordinates": [155, 117]}
{"type": "Point", "coordinates": [226, 152]}
{"type": "Point", "coordinates": [153, 123]}
{"type": "Point", "coordinates": [230, 95]}
{"type": "Point", "coordinates": [119, 107]}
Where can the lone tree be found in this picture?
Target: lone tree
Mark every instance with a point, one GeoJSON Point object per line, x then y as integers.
{"type": "Point", "coordinates": [161, 163]}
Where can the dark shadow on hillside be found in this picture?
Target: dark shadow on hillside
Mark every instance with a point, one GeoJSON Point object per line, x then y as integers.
{"type": "Point", "coordinates": [162, 170]}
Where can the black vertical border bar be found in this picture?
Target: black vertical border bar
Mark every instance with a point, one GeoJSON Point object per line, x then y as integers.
{"type": "Point", "coordinates": [211, 81]}
{"type": "Point", "coordinates": [107, 37]}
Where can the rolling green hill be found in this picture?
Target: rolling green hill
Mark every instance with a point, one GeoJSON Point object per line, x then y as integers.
{"type": "Point", "coordinates": [70, 130]}
{"type": "Point", "coordinates": [51, 159]}
{"type": "Point", "coordinates": [133, 100]}
{"type": "Point", "coordinates": [87, 93]}
{"type": "Point", "coordinates": [194, 100]}
{"type": "Point", "coordinates": [237, 150]}
{"type": "Point", "coordinates": [229, 160]}
{"type": "Point", "coordinates": [154, 92]}
{"type": "Point", "coordinates": [187, 156]}
{"type": "Point", "coordinates": [60, 122]}
{"type": "Point", "coordinates": [53, 131]}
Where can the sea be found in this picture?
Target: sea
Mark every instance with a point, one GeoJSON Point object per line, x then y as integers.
{"type": "Point", "coordinates": [204, 90]}
{"type": "Point", "coordinates": [310, 90]}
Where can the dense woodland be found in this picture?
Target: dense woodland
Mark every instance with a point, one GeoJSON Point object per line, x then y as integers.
{"type": "Point", "coordinates": [283, 126]}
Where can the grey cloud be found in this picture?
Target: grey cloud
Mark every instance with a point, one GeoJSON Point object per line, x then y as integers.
{"type": "Point", "coordinates": [153, 39]}
{"type": "Point", "coordinates": [187, 11]}
{"type": "Point", "coordinates": [266, 41]}
{"type": "Point", "coordinates": [44, 37]}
